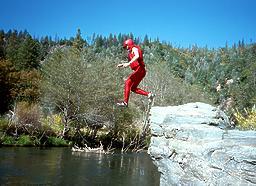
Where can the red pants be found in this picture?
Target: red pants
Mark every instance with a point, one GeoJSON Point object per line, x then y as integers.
{"type": "Point", "coordinates": [132, 83]}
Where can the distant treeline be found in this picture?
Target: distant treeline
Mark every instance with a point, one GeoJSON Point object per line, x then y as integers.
{"type": "Point", "coordinates": [21, 57]}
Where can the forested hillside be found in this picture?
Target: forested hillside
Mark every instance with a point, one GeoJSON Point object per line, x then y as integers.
{"type": "Point", "coordinates": [66, 89]}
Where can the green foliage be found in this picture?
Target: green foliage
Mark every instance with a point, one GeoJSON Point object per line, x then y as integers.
{"type": "Point", "coordinates": [53, 123]}
{"type": "Point", "coordinates": [3, 123]}
{"type": "Point", "coordinates": [80, 85]}
{"type": "Point", "coordinates": [13, 46]}
{"type": "Point", "coordinates": [171, 90]}
{"type": "Point", "coordinates": [124, 120]}
{"type": "Point", "coordinates": [2, 44]}
{"type": "Point", "coordinates": [24, 140]}
{"type": "Point", "coordinates": [55, 141]}
{"type": "Point", "coordinates": [28, 54]}
{"type": "Point", "coordinates": [79, 42]}
{"type": "Point", "coordinates": [8, 140]}
{"type": "Point", "coordinates": [23, 51]}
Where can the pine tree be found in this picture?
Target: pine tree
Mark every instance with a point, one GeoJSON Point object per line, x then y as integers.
{"type": "Point", "coordinates": [79, 42]}
{"type": "Point", "coordinates": [44, 47]}
{"type": "Point", "coordinates": [99, 41]}
{"type": "Point", "coordinates": [2, 44]}
{"type": "Point", "coordinates": [120, 38]}
{"type": "Point", "coordinates": [28, 55]}
{"type": "Point", "coordinates": [12, 47]}
{"type": "Point", "coordinates": [146, 40]}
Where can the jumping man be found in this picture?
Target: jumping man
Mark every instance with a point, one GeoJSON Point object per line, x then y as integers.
{"type": "Point", "coordinates": [136, 63]}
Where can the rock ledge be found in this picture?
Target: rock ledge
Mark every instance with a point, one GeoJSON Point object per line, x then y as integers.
{"type": "Point", "coordinates": [192, 144]}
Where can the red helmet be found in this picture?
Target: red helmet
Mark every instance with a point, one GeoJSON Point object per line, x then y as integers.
{"type": "Point", "coordinates": [129, 43]}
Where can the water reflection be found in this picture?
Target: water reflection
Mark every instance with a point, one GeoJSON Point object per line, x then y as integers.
{"type": "Point", "coordinates": [60, 166]}
{"type": "Point", "coordinates": [119, 169]}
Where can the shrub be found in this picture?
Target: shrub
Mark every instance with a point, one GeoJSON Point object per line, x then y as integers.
{"type": "Point", "coordinates": [55, 141]}
{"type": "Point", "coordinates": [3, 126]}
{"type": "Point", "coordinates": [24, 140]}
{"type": "Point", "coordinates": [53, 123]}
{"type": "Point", "coordinates": [3, 123]}
{"type": "Point", "coordinates": [8, 140]}
{"type": "Point", "coordinates": [28, 114]}
{"type": "Point", "coordinates": [248, 120]}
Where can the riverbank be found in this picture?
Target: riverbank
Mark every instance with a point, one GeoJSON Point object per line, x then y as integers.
{"type": "Point", "coordinates": [49, 135]}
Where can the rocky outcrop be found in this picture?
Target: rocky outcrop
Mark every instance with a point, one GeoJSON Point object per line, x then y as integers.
{"type": "Point", "coordinates": [192, 144]}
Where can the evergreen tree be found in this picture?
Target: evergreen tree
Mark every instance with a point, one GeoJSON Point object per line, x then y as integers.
{"type": "Point", "coordinates": [2, 44]}
{"type": "Point", "coordinates": [45, 47]}
{"type": "Point", "coordinates": [146, 40]}
{"type": "Point", "coordinates": [120, 38]}
{"type": "Point", "coordinates": [28, 55]}
{"type": "Point", "coordinates": [99, 41]}
{"type": "Point", "coordinates": [79, 42]}
{"type": "Point", "coordinates": [110, 40]}
{"type": "Point", "coordinates": [12, 47]}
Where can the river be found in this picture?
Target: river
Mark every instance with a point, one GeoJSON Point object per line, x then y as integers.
{"type": "Point", "coordinates": [61, 166]}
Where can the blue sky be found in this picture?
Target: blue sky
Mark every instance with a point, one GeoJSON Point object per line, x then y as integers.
{"type": "Point", "coordinates": [180, 22]}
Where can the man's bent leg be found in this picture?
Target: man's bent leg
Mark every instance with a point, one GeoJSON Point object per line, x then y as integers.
{"type": "Point", "coordinates": [137, 78]}
{"type": "Point", "coordinates": [140, 91]}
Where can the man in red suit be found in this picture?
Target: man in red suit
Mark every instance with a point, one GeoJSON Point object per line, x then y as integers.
{"type": "Point", "coordinates": [136, 63]}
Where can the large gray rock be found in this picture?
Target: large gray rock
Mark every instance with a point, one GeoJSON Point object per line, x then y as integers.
{"type": "Point", "coordinates": [192, 144]}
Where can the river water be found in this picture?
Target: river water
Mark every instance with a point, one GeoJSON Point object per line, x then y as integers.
{"type": "Point", "coordinates": [61, 166]}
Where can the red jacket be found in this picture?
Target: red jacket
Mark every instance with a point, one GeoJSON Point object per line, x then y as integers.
{"type": "Point", "coordinates": [139, 62]}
